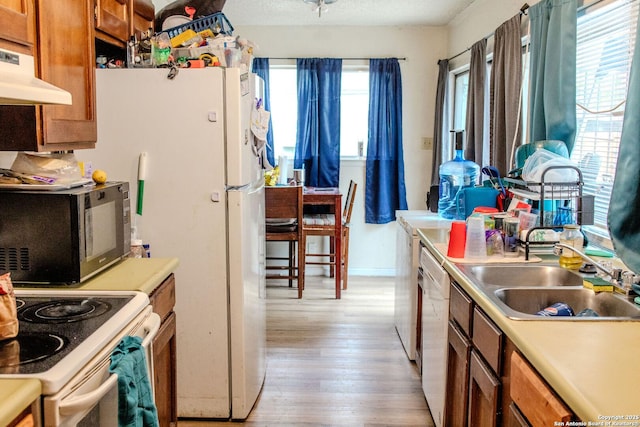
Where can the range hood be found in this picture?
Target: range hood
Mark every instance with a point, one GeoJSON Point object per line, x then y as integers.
{"type": "Point", "coordinates": [19, 86]}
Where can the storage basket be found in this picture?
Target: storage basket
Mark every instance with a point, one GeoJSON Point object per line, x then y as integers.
{"type": "Point", "coordinates": [216, 22]}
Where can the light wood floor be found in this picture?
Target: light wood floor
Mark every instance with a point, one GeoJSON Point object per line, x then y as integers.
{"type": "Point", "coordinates": [335, 362]}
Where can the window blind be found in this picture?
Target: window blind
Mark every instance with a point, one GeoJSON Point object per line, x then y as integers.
{"type": "Point", "coordinates": [605, 43]}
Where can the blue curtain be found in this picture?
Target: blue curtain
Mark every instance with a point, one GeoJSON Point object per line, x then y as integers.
{"type": "Point", "coordinates": [553, 71]}
{"type": "Point", "coordinates": [385, 188]}
{"type": "Point", "coordinates": [623, 218]}
{"type": "Point", "coordinates": [318, 135]}
{"type": "Point", "coordinates": [261, 68]}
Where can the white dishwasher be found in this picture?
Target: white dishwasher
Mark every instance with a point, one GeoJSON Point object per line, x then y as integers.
{"type": "Point", "coordinates": [435, 313]}
{"type": "Point", "coordinates": [407, 262]}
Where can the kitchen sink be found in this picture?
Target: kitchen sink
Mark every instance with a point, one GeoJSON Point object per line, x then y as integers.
{"type": "Point", "coordinates": [528, 301]}
{"type": "Point", "coordinates": [521, 275]}
{"type": "Point", "coordinates": [521, 290]}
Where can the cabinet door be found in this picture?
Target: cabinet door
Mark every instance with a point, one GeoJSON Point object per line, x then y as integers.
{"type": "Point", "coordinates": [142, 16]}
{"type": "Point", "coordinates": [458, 353]}
{"type": "Point", "coordinates": [487, 338]}
{"type": "Point", "coordinates": [18, 25]}
{"type": "Point", "coordinates": [67, 60]}
{"type": "Point", "coordinates": [533, 396]}
{"type": "Point", "coordinates": [162, 299]}
{"type": "Point", "coordinates": [461, 308]}
{"type": "Point", "coordinates": [164, 365]}
{"type": "Point", "coordinates": [112, 20]}
{"type": "Point", "coordinates": [484, 393]}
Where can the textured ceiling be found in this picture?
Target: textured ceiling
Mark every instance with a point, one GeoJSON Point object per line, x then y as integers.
{"type": "Point", "coordinates": [342, 12]}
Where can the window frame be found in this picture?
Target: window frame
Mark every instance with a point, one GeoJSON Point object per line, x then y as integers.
{"type": "Point", "coordinates": [351, 66]}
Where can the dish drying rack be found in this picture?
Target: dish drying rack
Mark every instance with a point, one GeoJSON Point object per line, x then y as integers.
{"type": "Point", "coordinates": [558, 203]}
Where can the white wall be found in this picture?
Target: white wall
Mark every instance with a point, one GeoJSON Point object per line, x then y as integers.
{"type": "Point", "coordinates": [372, 250]}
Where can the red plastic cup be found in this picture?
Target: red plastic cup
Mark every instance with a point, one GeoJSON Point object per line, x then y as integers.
{"type": "Point", "coordinates": [457, 239]}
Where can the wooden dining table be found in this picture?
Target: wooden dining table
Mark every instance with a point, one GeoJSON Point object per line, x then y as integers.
{"type": "Point", "coordinates": [331, 198]}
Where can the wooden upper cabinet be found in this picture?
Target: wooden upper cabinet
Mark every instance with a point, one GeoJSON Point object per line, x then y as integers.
{"type": "Point", "coordinates": [117, 20]}
{"type": "Point", "coordinates": [112, 20]}
{"type": "Point", "coordinates": [17, 25]}
{"type": "Point", "coordinates": [67, 60]}
{"type": "Point", "coordinates": [65, 57]}
{"type": "Point", "coordinates": [142, 16]}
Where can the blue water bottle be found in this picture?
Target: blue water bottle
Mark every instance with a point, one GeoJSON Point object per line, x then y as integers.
{"type": "Point", "coordinates": [455, 175]}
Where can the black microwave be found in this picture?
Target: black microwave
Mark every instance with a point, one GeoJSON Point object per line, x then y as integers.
{"type": "Point", "coordinates": [63, 237]}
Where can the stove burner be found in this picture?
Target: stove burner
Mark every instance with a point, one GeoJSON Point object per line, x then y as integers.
{"type": "Point", "coordinates": [64, 311]}
{"type": "Point", "coordinates": [28, 348]}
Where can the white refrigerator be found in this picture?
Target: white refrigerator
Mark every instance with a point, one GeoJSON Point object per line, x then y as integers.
{"type": "Point", "coordinates": [203, 202]}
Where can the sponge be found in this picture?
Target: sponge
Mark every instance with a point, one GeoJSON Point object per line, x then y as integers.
{"type": "Point", "coordinates": [597, 284]}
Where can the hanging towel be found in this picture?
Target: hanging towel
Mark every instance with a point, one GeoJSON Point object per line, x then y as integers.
{"type": "Point", "coordinates": [136, 407]}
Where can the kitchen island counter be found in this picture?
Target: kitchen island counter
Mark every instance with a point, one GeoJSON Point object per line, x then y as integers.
{"type": "Point", "coordinates": [592, 366]}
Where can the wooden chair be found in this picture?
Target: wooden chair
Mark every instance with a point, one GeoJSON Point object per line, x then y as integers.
{"type": "Point", "coordinates": [324, 225]}
{"type": "Point", "coordinates": [283, 217]}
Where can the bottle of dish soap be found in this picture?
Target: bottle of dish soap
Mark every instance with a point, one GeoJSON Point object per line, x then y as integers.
{"type": "Point", "coordinates": [571, 236]}
{"type": "Point", "coordinates": [455, 175]}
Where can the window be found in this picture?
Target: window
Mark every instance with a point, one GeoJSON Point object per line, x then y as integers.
{"type": "Point", "coordinates": [354, 110]}
{"type": "Point", "coordinates": [460, 90]}
{"type": "Point", "coordinates": [284, 110]}
{"type": "Point", "coordinates": [605, 43]}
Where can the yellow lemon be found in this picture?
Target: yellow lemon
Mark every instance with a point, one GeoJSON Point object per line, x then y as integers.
{"type": "Point", "coordinates": [99, 176]}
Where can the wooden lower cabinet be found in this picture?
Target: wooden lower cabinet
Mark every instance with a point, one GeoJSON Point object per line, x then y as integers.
{"type": "Point", "coordinates": [484, 393]}
{"type": "Point", "coordinates": [457, 398]}
{"type": "Point", "coordinates": [164, 353]}
{"type": "Point", "coordinates": [489, 383]}
{"type": "Point", "coordinates": [164, 363]}
{"type": "Point", "coordinates": [477, 373]}
{"type": "Point", "coordinates": [534, 398]}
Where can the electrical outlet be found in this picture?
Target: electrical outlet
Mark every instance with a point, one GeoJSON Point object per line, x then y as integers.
{"type": "Point", "coordinates": [427, 143]}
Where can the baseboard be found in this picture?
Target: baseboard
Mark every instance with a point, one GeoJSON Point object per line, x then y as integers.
{"type": "Point", "coordinates": [370, 272]}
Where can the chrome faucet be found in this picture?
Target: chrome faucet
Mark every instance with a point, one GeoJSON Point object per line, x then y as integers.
{"type": "Point", "coordinates": [619, 279]}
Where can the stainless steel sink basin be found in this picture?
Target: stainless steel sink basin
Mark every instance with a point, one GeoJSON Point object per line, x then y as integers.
{"type": "Point", "coordinates": [521, 290]}
{"type": "Point", "coordinates": [521, 275]}
{"type": "Point", "coordinates": [528, 301]}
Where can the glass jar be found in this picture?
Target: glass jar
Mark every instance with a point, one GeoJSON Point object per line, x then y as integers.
{"type": "Point", "coordinates": [571, 236]}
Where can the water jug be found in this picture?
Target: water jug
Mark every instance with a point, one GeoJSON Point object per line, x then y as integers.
{"type": "Point", "coordinates": [455, 175]}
